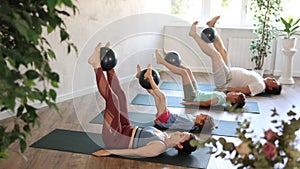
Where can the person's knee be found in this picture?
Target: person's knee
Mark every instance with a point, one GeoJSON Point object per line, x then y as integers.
{"type": "Point", "coordinates": [189, 70]}
{"type": "Point", "coordinates": [184, 72]}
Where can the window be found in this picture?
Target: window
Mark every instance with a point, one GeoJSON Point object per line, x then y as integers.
{"type": "Point", "coordinates": [233, 12]}
{"type": "Point", "coordinates": [290, 8]}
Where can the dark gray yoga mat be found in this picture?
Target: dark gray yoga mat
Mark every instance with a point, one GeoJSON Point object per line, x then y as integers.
{"type": "Point", "coordinates": [175, 101]}
{"type": "Point", "coordinates": [225, 128]}
{"type": "Point", "coordinates": [82, 142]}
{"type": "Point", "coordinates": [203, 87]}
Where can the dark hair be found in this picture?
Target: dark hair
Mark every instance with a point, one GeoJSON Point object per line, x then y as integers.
{"type": "Point", "coordinates": [274, 90]}
{"type": "Point", "coordinates": [187, 147]}
{"type": "Point", "coordinates": [240, 101]}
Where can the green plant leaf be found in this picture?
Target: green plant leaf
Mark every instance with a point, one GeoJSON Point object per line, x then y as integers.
{"type": "Point", "coordinates": [63, 35]}
{"type": "Point", "coordinates": [68, 3]}
{"type": "Point", "coordinates": [32, 74]}
{"type": "Point", "coordinates": [51, 5]}
{"type": "Point", "coordinates": [51, 54]}
{"type": "Point", "coordinates": [23, 145]}
{"type": "Point", "coordinates": [52, 94]}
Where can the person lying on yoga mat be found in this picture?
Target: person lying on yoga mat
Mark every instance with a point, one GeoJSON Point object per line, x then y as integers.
{"type": "Point", "coordinates": [232, 78]}
{"type": "Point", "coordinates": [119, 137]}
{"type": "Point", "coordinates": [167, 120]}
{"type": "Point", "coordinates": [194, 96]}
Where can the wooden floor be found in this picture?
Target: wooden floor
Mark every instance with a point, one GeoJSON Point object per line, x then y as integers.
{"type": "Point", "coordinates": [79, 111]}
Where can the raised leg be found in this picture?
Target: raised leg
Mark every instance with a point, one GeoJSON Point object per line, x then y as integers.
{"type": "Point", "coordinates": [174, 69]}
{"type": "Point", "coordinates": [218, 43]}
{"type": "Point", "coordinates": [191, 75]}
{"type": "Point", "coordinates": [117, 89]}
{"type": "Point", "coordinates": [159, 97]}
{"type": "Point", "coordinates": [216, 57]}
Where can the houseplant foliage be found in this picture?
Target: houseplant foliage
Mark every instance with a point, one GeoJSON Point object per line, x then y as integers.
{"type": "Point", "coordinates": [25, 73]}
{"type": "Point", "coordinates": [277, 148]}
{"type": "Point", "coordinates": [289, 32]}
{"type": "Point", "coordinates": [290, 27]}
{"type": "Point", "coordinates": [266, 14]}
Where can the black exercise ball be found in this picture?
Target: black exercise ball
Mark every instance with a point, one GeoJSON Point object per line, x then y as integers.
{"type": "Point", "coordinates": [173, 58]}
{"type": "Point", "coordinates": [145, 83]}
{"type": "Point", "coordinates": [108, 58]}
{"type": "Point", "coordinates": [208, 34]}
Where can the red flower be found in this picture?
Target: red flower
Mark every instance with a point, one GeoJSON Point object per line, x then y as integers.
{"type": "Point", "coordinates": [270, 135]}
{"type": "Point", "coordinates": [270, 150]}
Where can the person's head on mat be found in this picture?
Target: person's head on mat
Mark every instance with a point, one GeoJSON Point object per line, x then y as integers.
{"type": "Point", "coordinates": [186, 147]}
{"type": "Point", "coordinates": [272, 86]}
{"type": "Point", "coordinates": [205, 122]}
{"type": "Point", "coordinates": [236, 99]}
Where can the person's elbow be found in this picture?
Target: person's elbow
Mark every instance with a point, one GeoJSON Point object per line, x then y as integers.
{"type": "Point", "coordinates": [205, 104]}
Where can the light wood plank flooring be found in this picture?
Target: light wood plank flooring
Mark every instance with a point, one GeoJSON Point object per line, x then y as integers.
{"type": "Point", "coordinates": [79, 111]}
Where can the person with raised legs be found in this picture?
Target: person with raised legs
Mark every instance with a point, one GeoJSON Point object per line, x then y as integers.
{"type": "Point", "coordinates": [121, 138]}
{"type": "Point", "coordinates": [193, 95]}
{"type": "Point", "coordinates": [228, 78]}
{"type": "Point", "coordinates": [200, 123]}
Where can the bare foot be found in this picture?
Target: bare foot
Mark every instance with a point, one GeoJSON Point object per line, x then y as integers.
{"type": "Point", "coordinates": [107, 44]}
{"type": "Point", "coordinates": [164, 51]}
{"type": "Point", "coordinates": [101, 153]}
{"type": "Point", "coordinates": [94, 60]}
{"type": "Point", "coordinates": [193, 29]}
{"type": "Point", "coordinates": [148, 73]}
{"type": "Point", "coordinates": [138, 71]}
{"type": "Point", "coordinates": [213, 21]}
{"type": "Point", "coordinates": [159, 59]}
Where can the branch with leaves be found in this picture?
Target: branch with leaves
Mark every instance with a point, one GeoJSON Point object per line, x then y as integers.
{"type": "Point", "coordinates": [24, 63]}
{"type": "Point", "coordinates": [266, 14]}
{"type": "Point", "coordinates": [276, 149]}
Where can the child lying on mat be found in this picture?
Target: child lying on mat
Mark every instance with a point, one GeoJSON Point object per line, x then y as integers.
{"type": "Point", "coordinates": [118, 135]}
{"type": "Point", "coordinates": [203, 123]}
{"type": "Point", "coordinates": [195, 97]}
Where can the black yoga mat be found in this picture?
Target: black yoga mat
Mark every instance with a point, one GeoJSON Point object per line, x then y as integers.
{"type": "Point", "coordinates": [175, 101]}
{"type": "Point", "coordinates": [82, 142]}
{"type": "Point", "coordinates": [225, 128]}
{"type": "Point", "coordinates": [203, 87]}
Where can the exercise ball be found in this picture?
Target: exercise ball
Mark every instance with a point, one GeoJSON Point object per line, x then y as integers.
{"type": "Point", "coordinates": [108, 58]}
{"type": "Point", "coordinates": [145, 83]}
{"type": "Point", "coordinates": [173, 58]}
{"type": "Point", "coordinates": [208, 34]}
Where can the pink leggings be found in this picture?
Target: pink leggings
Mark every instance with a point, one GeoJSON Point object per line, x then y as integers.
{"type": "Point", "coordinates": [116, 132]}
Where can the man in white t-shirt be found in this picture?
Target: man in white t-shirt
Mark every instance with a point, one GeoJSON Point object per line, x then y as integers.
{"type": "Point", "coordinates": [228, 78]}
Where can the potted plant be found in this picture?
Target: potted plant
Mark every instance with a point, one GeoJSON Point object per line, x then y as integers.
{"type": "Point", "coordinates": [266, 14]}
{"type": "Point", "coordinates": [290, 29]}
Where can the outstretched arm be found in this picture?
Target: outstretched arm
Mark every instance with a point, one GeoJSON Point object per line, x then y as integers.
{"type": "Point", "coordinates": [203, 104]}
{"type": "Point", "coordinates": [245, 90]}
{"type": "Point", "coordinates": [153, 149]}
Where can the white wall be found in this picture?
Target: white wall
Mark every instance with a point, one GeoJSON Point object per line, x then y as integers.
{"type": "Point", "coordinates": [104, 20]}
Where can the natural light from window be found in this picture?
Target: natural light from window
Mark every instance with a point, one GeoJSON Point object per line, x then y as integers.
{"type": "Point", "coordinates": [233, 12]}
